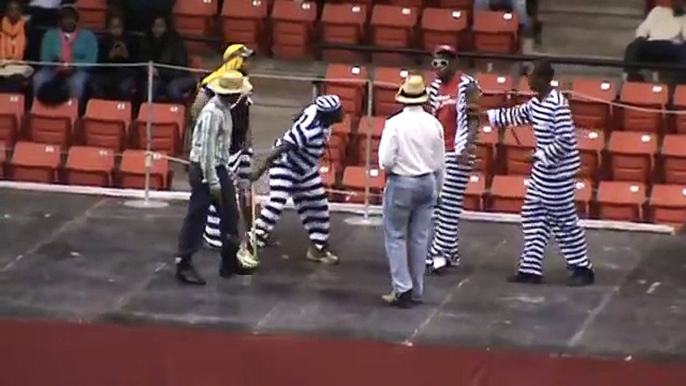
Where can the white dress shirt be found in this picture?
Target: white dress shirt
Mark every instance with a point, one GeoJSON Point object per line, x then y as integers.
{"type": "Point", "coordinates": [412, 143]}
{"type": "Point", "coordinates": [661, 24]}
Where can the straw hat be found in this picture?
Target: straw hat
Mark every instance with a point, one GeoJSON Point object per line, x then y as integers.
{"type": "Point", "coordinates": [232, 82]}
{"type": "Point", "coordinates": [413, 91]}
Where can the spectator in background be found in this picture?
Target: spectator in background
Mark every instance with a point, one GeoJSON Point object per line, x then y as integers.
{"type": "Point", "coordinates": [67, 45]}
{"type": "Point", "coordinates": [43, 14]}
{"type": "Point", "coordinates": [13, 73]}
{"type": "Point", "coordinates": [117, 47]}
{"type": "Point", "coordinates": [164, 46]}
{"type": "Point", "coordinates": [659, 39]}
{"type": "Point", "coordinates": [518, 7]}
{"type": "Point", "coordinates": [140, 13]}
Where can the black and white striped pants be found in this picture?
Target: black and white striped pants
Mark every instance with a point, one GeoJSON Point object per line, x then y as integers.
{"type": "Point", "coordinates": [239, 167]}
{"type": "Point", "coordinates": [444, 244]}
{"type": "Point", "coordinates": [309, 197]}
{"type": "Point", "coordinates": [549, 210]}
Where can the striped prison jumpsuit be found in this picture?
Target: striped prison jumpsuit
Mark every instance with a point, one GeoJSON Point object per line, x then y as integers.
{"type": "Point", "coordinates": [549, 207]}
{"type": "Point", "coordinates": [296, 175]}
{"type": "Point", "coordinates": [240, 162]}
{"type": "Point", "coordinates": [448, 102]}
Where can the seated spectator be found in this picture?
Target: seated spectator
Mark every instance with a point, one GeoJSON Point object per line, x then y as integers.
{"type": "Point", "coordinates": [518, 7]}
{"type": "Point", "coordinates": [14, 73]}
{"type": "Point", "coordinates": [140, 14]}
{"type": "Point", "coordinates": [164, 46]}
{"type": "Point", "coordinates": [67, 45]}
{"type": "Point", "coordinates": [117, 47]}
{"type": "Point", "coordinates": [43, 14]}
{"type": "Point", "coordinates": [659, 39]}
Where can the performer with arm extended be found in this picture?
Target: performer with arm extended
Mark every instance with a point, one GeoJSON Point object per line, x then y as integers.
{"type": "Point", "coordinates": [549, 207]}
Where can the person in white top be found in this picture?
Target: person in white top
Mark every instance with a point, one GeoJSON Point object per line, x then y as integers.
{"type": "Point", "coordinates": [411, 153]}
{"type": "Point", "coordinates": [659, 39]}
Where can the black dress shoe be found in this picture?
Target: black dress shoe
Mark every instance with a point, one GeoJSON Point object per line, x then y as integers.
{"type": "Point", "coordinates": [527, 278]}
{"type": "Point", "coordinates": [580, 277]}
{"type": "Point", "coordinates": [186, 273]}
{"type": "Point", "coordinates": [400, 300]}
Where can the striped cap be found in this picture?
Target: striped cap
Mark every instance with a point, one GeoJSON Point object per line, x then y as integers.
{"type": "Point", "coordinates": [328, 103]}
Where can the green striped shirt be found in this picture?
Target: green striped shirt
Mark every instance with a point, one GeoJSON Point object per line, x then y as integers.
{"type": "Point", "coordinates": [212, 139]}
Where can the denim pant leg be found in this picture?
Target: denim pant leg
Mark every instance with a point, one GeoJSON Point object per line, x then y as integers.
{"type": "Point", "coordinates": [78, 82]}
{"type": "Point", "coordinates": [419, 231]}
{"type": "Point", "coordinates": [190, 236]}
{"type": "Point", "coordinates": [396, 218]}
{"type": "Point", "coordinates": [42, 76]}
{"type": "Point", "coordinates": [177, 88]}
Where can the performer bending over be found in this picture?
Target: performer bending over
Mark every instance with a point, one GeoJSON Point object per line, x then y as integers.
{"type": "Point", "coordinates": [549, 205]}
{"type": "Point", "coordinates": [294, 171]}
{"type": "Point", "coordinates": [448, 102]}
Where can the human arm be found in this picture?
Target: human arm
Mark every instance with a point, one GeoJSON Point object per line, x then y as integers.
{"type": "Point", "coordinates": [510, 116]}
{"type": "Point", "coordinates": [49, 47]}
{"type": "Point", "coordinates": [564, 139]}
{"type": "Point", "coordinates": [388, 147]}
{"type": "Point", "coordinates": [467, 116]}
{"type": "Point", "coordinates": [88, 48]}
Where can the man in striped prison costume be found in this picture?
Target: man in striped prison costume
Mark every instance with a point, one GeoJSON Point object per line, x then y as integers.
{"type": "Point", "coordinates": [549, 207]}
{"type": "Point", "coordinates": [294, 171]}
{"type": "Point", "coordinates": [448, 102]}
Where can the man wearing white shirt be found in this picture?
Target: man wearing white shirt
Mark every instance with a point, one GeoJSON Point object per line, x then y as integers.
{"type": "Point", "coordinates": [411, 153]}
{"type": "Point", "coordinates": [659, 39]}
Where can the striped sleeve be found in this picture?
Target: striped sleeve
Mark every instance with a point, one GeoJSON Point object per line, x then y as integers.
{"type": "Point", "coordinates": [512, 116]}
{"type": "Point", "coordinates": [462, 135]}
{"type": "Point", "coordinates": [564, 140]}
{"type": "Point", "coordinates": [432, 90]}
{"type": "Point", "coordinates": [303, 130]}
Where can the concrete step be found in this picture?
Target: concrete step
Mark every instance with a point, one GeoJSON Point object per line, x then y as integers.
{"type": "Point", "coordinates": [585, 41]}
{"type": "Point", "coordinates": [619, 7]}
{"type": "Point", "coordinates": [603, 22]}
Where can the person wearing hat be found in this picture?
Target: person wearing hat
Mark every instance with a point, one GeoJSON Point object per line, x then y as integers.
{"type": "Point", "coordinates": [448, 101]}
{"type": "Point", "coordinates": [411, 152]}
{"type": "Point", "coordinates": [294, 172]}
{"type": "Point", "coordinates": [211, 183]}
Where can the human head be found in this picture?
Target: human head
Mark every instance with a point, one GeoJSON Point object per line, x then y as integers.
{"type": "Point", "coordinates": [329, 109]}
{"type": "Point", "coordinates": [13, 11]}
{"type": "Point", "coordinates": [230, 87]}
{"type": "Point", "coordinates": [445, 61]}
{"type": "Point", "coordinates": [115, 26]}
{"type": "Point", "coordinates": [413, 91]}
{"type": "Point", "coordinates": [69, 18]}
{"type": "Point", "coordinates": [540, 77]}
{"type": "Point", "coordinates": [159, 27]}
{"type": "Point", "coordinates": [236, 57]}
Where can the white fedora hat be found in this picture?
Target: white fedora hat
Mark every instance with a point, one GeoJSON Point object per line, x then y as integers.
{"type": "Point", "coordinates": [231, 83]}
{"type": "Point", "coordinates": [413, 91]}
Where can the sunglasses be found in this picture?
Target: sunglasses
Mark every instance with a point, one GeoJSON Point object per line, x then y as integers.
{"type": "Point", "coordinates": [440, 63]}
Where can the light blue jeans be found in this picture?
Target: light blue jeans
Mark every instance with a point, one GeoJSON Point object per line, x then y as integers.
{"type": "Point", "coordinates": [407, 208]}
{"type": "Point", "coordinates": [518, 8]}
{"type": "Point", "coordinates": [78, 81]}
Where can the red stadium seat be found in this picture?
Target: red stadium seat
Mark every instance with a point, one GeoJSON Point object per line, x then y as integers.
{"type": "Point", "coordinates": [338, 142]}
{"type": "Point", "coordinates": [590, 102]}
{"type": "Point", "coordinates": [645, 95]}
{"type": "Point", "coordinates": [52, 124]}
{"type": "Point", "coordinates": [89, 166]}
{"type": "Point", "coordinates": [345, 24]}
{"type": "Point", "coordinates": [508, 193]}
{"type": "Point", "coordinates": [679, 103]}
{"type": "Point", "coordinates": [673, 157]}
{"type": "Point", "coordinates": [374, 126]}
{"type": "Point", "coordinates": [293, 28]}
{"type": "Point", "coordinates": [475, 192]}
{"type": "Point", "coordinates": [632, 155]}
{"type": "Point", "coordinates": [371, 125]}
{"type": "Point", "coordinates": [92, 14]}
{"type": "Point", "coordinates": [244, 21]}
{"type": "Point", "coordinates": [495, 88]}
{"type": "Point", "coordinates": [393, 27]}
{"type": "Point", "coordinates": [355, 180]}
{"type": "Point", "coordinates": [11, 114]}
{"type": "Point", "coordinates": [582, 197]}
{"type": "Point", "coordinates": [3, 160]}
{"type": "Point", "coordinates": [591, 146]}
{"type": "Point", "coordinates": [464, 5]}
{"type": "Point", "coordinates": [621, 201]}
{"type": "Point", "coordinates": [350, 84]}
{"type": "Point", "coordinates": [486, 143]}
{"type": "Point", "coordinates": [442, 26]}
{"type": "Point", "coordinates": [132, 171]}
{"type": "Point", "coordinates": [667, 205]}
{"type": "Point", "coordinates": [35, 162]}
{"type": "Point", "coordinates": [518, 144]}
{"type": "Point", "coordinates": [167, 125]}
{"type": "Point", "coordinates": [387, 80]}
{"type": "Point", "coordinates": [496, 32]}
{"type": "Point", "coordinates": [106, 124]}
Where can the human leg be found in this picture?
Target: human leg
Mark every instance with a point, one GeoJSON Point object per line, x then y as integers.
{"type": "Point", "coordinates": [536, 236]}
{"type": "Point", "coordinates": [212, 235]}
{"type": "Point", "coordinates": [78, 81]}
{"type": "Point", "coordinates": [418, 232]}
{"type": "Point", "coordinates": [281, 180]}
{"type": "Point", "coordinates": [43, 76]}
{"type": "Point", "coordinates": [397, 207]}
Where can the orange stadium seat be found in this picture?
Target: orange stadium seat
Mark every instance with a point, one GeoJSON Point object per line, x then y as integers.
{"type": "Point", "coordinates": [393, 27]}
{"type": "Point", "coordinates": [168, 125]}
{"type": "Point", "coordinates": [328, 173]}
{"type": "Point", "coordinates": [89, 166]}
{"type": "Point", "coordinates": [355, 180]}
{"type": "Point", "coordinates": [374, 126]}
{"type": "Point", "coordinates": [293, 28]}
{"type": "Point", "coordinates": [621, 200]}
{"type": "Point", "coordinates": [667, 205]}
{"type": "Point", "coordinates": [465, 5]}
{"type": "Point", "coordinates": [591, 146]}
{"type": "Point", "coordinates": [92, 14]}
{"type": "Point", "coordinates": [442, 26]}
{"type": "Point", "coordinates": [3, 160]}
{"type": "Point", "coordinates": [338, 142]}
{"type": "Point", "coordinates": [195, 18]}
{"type": "Point", "coordinates": [387, 80]}
{"type": "Point", "coordinates": [350, 84]}
{"type": "Point", "coordinates": [496, 32]}
{"type": "Point", "coordinates": [518, 144]}
{"type": "Point", "coordinates": [35, 162]}
{"type": "Point", "coordinates": [495, 88]}
{"type": "Point", "coordinates": [582, 197]}
{"type": "Point", "coordinates": [106, 124]}
{"type": "Point", "coordinates": [345, 24]}
{"type": "Point", "coordinates": [132, 171]}
{"type": "Point", "coordinates": [486, 143]}
{"type": "Point", "coordinates": [590, 102]}
{"type": "Point", "coordinates": [507, 194]}
{"type": "Point", "coordinates": [244, 21]}
{"type": "Point", "coordinates": [11, 114]}
{"type": "Point", "coordinates": [475, 192]}
{"type": "Point", "coordinates": [673, 158]}
{"type": "Point", "coordinates": [52, 124]}
{"type": "Point", "coordinates": [679, 104]}
{"type": "Point", "coordinates": [632, 155]}
{"type": "Point", "coordinates": [645, 95]}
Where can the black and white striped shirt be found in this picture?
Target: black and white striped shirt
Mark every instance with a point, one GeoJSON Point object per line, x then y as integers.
{"type": "Point", "coordinates": [557, 153]}
{"type": "Point", "coordinates": [309, 138]}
